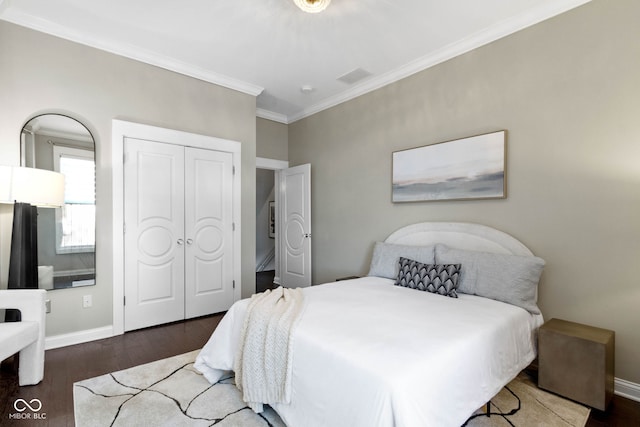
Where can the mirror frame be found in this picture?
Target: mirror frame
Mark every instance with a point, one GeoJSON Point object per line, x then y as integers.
{"type": "Point", "coordinates": [23, 162]}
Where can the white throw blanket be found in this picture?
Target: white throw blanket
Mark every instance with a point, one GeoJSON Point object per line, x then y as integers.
{"type": "Point", "coordinates": [263, 362]}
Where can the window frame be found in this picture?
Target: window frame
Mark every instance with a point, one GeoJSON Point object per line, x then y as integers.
{"type": "Point", "coordinates": [78, 153]}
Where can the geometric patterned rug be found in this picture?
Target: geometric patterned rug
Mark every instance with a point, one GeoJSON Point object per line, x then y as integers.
{"type": "Point", "coordinates": [522, 403]}
{"type": "Point", "coordinates": [170, 392]}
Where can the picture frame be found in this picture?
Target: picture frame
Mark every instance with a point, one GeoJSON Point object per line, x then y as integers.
{"type": "Point", "coordinates": [469, 168]}
{"type": "Point", "coordinates": [272, 220]}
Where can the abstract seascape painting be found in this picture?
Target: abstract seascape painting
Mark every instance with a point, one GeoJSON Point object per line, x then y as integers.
{"type": "Point", "coordinates": [467, 168]}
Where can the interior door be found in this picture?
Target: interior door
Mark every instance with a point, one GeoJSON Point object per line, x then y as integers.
{"type": "Point", "coordinates": [209, 228]}
{"type": "Point", "coordinates": [295, 226]}
{"type": "Point", "coordinates": [154, 233]}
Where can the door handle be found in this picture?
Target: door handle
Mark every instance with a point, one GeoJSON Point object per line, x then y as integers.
{"type": "Point", "coordinates": [180, 242]}
{"type": "Point", "coordinates": [189, 241]}
{"type": "Point", "coordinates": [307, 235]}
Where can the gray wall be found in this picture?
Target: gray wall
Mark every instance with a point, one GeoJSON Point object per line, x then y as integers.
{"type": "Point", "coordinates": [272, 139]}
{"type": "Point", "coordinates": [41, 73]}
{"type": "Point", "coordinates": [566, 90]}
{"type": "Point", "coordinates": [272, 142]}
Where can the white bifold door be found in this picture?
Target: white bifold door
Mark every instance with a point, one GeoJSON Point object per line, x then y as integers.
{"type": "Point", "coordinates": [178, 215]}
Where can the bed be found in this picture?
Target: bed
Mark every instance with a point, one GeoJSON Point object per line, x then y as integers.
{"type": "Point", "coordinates": [368, 353]}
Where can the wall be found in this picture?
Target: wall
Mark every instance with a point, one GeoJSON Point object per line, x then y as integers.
{"type": "Point", "coordinates": [41, 73]}
{"type": "Point", "coordinates": [272, 140]}
{"type": "Point", "coordinates": [566, 90]}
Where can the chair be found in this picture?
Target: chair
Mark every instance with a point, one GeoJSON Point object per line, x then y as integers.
{"type": "Point", "coordinates": [26, 336]}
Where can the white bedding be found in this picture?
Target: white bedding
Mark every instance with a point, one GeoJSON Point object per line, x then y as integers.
{"type": "Point", "coordinates": [367, 353]}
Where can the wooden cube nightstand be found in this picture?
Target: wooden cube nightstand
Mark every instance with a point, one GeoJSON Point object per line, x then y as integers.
{"type": "Point", "coordinates": [576, 361]}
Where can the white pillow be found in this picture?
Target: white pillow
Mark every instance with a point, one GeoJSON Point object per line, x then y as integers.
{"type": "Point", "coordinates": [384, 262]}
{"type": "Point", "coordinates": [508, 278]}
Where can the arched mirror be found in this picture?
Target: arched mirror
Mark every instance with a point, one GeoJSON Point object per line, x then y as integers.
{"type": "Point", "coordinates": [66, 235]}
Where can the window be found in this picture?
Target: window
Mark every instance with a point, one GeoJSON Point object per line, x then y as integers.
{"type": "Point", "coordinates": [75, 221]}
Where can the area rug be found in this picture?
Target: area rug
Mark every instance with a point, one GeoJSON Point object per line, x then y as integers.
{"type": "Point", "coordinates": [522, 404]}
{"type": "Point", "coordinates": [170, 392]}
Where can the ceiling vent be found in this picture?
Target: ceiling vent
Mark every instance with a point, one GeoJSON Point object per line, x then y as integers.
{"type": "Point", "coordinates": [354, 76]}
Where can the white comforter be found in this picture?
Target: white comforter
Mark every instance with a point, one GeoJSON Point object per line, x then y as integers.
{"type": "Point", "coordinates": [367, 353]}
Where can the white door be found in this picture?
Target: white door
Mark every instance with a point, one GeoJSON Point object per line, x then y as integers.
{"type": "Point", "coordinates": [209, 285]}
{"type": "Point", "coordinates": [154, 233]}
{"type": "Point", "coordinates": [179, 232]}
{"type": "Point", "coordinates": [295, 226]}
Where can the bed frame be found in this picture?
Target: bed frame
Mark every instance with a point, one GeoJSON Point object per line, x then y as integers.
{"type": "Point", "coordinates": [459, 235]}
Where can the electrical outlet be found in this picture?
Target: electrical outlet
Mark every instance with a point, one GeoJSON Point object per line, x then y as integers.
{"type": "Point", "coordinates": [87, 301]}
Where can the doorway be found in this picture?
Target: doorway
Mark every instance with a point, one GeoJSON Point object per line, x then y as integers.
{"type": "Point", "coordinates": [266, 231]}
{"type": "Point", "coordinates": [291, 214]}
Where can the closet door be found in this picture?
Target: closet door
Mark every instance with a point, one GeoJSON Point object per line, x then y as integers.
{"type": "Point", "coordinates": [209, 286]}
{"type": "Point", "coordinates": [154, 243]}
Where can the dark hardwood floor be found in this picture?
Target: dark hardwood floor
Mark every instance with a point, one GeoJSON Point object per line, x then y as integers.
{"type": "Point", "coordinates": [66, 365]}
{"type": "Point", "coordinates": [622, 412]}
{"type": "Point", "coordinates": [264, 280]}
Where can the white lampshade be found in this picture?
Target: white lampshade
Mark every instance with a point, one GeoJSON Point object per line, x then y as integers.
{"type": "Point", "coordinates": [37, 187]}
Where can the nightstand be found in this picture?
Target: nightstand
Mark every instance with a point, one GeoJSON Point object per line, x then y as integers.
{"type": "Point", "coordinates": [576, 361]}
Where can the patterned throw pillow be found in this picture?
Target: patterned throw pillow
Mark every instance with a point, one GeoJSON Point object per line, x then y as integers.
{"type": "Point", "coordinates": [435, 278]}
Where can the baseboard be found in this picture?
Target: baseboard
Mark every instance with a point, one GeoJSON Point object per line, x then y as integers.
{"type": "Point", "coordinates": [627, 389]}
{"type": "Point", "coordinates": [63, 340]}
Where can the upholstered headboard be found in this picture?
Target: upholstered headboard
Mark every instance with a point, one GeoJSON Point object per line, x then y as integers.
{"type": "Point", "coordinates": [459, 235]}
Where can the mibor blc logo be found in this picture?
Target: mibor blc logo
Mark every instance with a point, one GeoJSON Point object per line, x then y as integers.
{"type": "Point", "coordinates": [28, 410]}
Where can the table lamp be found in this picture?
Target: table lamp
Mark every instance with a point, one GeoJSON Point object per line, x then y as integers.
{"type": "Point", "coordinates": [27, 189]}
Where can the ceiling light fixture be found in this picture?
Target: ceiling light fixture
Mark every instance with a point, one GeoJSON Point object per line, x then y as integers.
{"type": "Point", "coordinates": [312, 6]}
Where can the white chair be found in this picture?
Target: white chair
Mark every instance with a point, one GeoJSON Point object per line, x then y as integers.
{"type": "Point", "coordinates": [26, 336]}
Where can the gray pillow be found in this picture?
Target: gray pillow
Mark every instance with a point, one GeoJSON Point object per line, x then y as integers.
{"type": "Point", "coordinates": [508, 278]}
{"type": "Point", "coordinates": [439, 279]}
{"type": "Point", "coordinates": [384, 262]}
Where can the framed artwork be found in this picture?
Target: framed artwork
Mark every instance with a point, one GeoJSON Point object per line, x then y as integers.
{"type": "Point", "coordinates": [272, 220]}
{"type": "Point", "coordinates": [462, 169]}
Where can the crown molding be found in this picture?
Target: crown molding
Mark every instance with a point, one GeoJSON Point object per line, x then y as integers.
{"type": "Point", "coordinates": [124, 49]}
{"type": "Point", "coordinates": [458, 48]}
{"type": "Point", "coordinates": [271, 115]}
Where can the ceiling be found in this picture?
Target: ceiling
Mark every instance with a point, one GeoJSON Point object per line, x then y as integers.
{"type": "Point", "coordinates": [271, 49]}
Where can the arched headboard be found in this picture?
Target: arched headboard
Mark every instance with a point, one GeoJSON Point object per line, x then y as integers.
{"type": "Point", "coordinates": [459, 235]}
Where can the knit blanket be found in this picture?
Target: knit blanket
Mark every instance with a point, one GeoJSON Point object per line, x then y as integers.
{"type": "Point", "coordinates": [263, 362]}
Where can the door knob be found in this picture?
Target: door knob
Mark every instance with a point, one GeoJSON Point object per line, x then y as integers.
{"type": "Point", "coordinates": [189, 241]}
{"type": "Point", "coordinates": [180, 242]}
{"type": "Point", "coordinates": [307, 235]}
